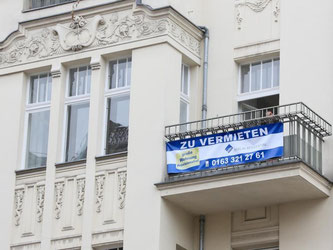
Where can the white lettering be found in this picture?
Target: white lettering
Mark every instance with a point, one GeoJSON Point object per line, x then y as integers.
{"type": "Point", "coordinates": [228, 138]}
{"type": "Point", "coordinates": [247, 134]}
{"type": "Point", "coordinates": [203, 141]}
{"type": "Point", "coordinates": [183, 145]}
{"type": "Point", "coordinates": [219, 139]}
{"type": "Point", "coordinates": [211, 141]}
{"type": "Point", "coordinates": [191, 145]}
{"type": "Point", "coordinates": [263, 131]}
{"type": "Point", "coordinates": [240, 136]}
{"type": "Point", "coordinates": [255, 132]}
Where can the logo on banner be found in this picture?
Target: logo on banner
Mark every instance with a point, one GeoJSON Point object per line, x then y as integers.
{"type": "Point", "coordinates": [229, 148]}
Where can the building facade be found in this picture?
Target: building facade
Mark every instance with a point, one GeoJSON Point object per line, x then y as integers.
{"type": "Point", "coordinates": [92, 90]}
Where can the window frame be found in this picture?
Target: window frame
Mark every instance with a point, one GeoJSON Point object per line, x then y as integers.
{"type": "Point", "coordinates": [69, 101]}
{"type": "Point", "coordinates": [28, 3]}
{"type": "Point", "coordinates": [183, 97]}
{"type": "Point", "coordinates": [31, 108]}
{"type": "Point", "coordinates": [113, 92]}
{"type": "Point", "coordinates": [261, 92]}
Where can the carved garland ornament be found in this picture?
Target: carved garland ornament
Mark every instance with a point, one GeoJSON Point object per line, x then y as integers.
{"type": "Point", "coordinates": [95, 32]}
{"type": "Point", "coordinates": [122, 178]}
{"type": "Point", "coordinates": [99, 192]}
{"type": "Point", "coordinates": [256, 6]}
{"type": "Point", "coordinates": [40, 202]}
{"type": "Point", "coordinates": [80, 195]}
{"type": "Point", "coordinates": [19, 196]}
{"type": "Point", "coordinates": [59, 195]}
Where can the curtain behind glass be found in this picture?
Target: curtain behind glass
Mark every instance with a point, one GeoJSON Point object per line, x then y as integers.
{"type": "Point", "coordinates": [77, 132]}
{"type": "Point", "coordinates": [37, 139]}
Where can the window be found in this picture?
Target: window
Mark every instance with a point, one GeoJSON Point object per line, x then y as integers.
{"type": "Point", "coordinates": [260, 76]}
{"type": "Point", "coordinates": [117, 105]}
{"type": "Point", "coordinates": [259, 83]}
{"type": "Point", "coordinates": [33, 4]}
{"type": "Point", "coordinates": [37, 120]}
{"type": "Point", "coordinates": [184, 95]}
{"type": "Point", "coordinates": [77, 113]}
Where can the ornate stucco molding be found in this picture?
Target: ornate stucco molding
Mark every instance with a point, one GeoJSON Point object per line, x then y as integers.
{"type": "Point", "coordinates": [19, 196]}
{"type": "Point", "coordinates": [40, 202]}
{"type": "Point", "coordinates": [255, 5]}
{"type": "Point", "coordinates": [99, 192]}
{"type": "Point", "coordinates": [80, 196]}
{"type": "Point", "coordinates": [122, 178]}
{"type": "Point", "coordinates": [102, 30]}
{"type": "Point", "coordinates": [59, 195]}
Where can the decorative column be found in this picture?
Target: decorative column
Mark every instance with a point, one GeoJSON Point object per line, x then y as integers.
{"type": "Point", "coordinates": [98, 75]}
{"type": "Point", "coordinates": [55, 132]}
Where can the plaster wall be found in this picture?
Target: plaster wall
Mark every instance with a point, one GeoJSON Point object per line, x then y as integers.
{"type": "Point", "coordinates": [307, 60]}
{"type": "Point", "coordinates": [11, 105]}
{"type": "Point", "coordinates": [306, 225]}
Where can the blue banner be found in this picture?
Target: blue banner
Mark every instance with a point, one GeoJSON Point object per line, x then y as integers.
{"type": "Point", "coordinates": [232, 148]}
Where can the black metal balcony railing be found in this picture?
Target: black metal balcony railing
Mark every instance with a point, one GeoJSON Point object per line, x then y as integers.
{"type": "Point", "coordinates": [304, 130]}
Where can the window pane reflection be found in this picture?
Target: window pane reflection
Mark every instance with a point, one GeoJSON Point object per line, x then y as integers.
{"type": "Point", "coordinates": [77, 132]}
{"type": "Point", "coordinates": [117, 124]}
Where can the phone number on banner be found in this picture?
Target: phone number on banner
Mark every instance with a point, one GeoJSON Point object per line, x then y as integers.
{"type": "Point", "coordinates": [236, 159]}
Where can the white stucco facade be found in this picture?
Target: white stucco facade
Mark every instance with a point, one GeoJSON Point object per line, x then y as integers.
{"type": "Point", "coordinates": [126, 199]}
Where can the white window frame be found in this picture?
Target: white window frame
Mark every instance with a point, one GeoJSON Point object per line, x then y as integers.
{"type": "Point", "coordinates": [72, 100]}
{"type": "Point", "coordinates": [261, 92]}
{"type": "Point", "coordinates": [31, 108]}
{"type": "Point", "coordinates": [183, 97]}
{"type": "Point", "coordinates": [113, 92]}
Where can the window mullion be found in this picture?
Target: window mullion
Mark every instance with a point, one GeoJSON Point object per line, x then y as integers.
{"type": "Point", "coordinates": [250, 80]}
{"type": "Point", "coordinates": [117, 69]}
{"type": "Point", "coordinates": [272, 77]}
{"type": "Point", "coordinates": [77, 82]}
{"type": "Point", "coordinates": [261, 75]}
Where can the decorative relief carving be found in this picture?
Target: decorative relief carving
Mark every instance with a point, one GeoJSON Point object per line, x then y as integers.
{"type": "Point", "coordinates": [80, 195]}
{"type": "Point", "coordinates": [185, 38]}
{"type": "Point", "coordinates": [40, 202]}
{"type": "Point", "coordinates": [59, 195]}
{"type": "Point", "coordinates": [19, 196]}
{"type": "Point", "coordinates": [80, 33]}
{"type": "Point", "coordinates": [100, 180]}
{"type": "Point", "coordinates": [239, 18]}
{"type": "Point", "coordinates": [276, 11]}
{"type": "Point", "coordinates": [122, 178]}
{"type": "Point", "coordinates": [117, 29]}
{"type": "Point", "coordinates": [38, 46]}
{"type": "Point", "coordinates": [99, 31]}
{"type": "Point", "coordinates": [255, 5]}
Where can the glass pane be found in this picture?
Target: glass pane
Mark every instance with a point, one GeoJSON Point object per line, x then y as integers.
{"type": "Point", "coordinates": [186, 79]}
{"type": "Point", "coordinates": [245, 78]}
{"type": "Point", "coordinates": [77, 132]}
{"type": "Point", "coordinates": [255, 76]}
{"type": "Point", "coordinates": [82, 81]}
{"type": "Point", "coordinates": [276, 73]}
{"type": "Point", "coordinates": [49, 87]}
{"type": "Point", "coordinates": [183, 114]}
{"type": "Point", "coordinates": [37, 139]}
{"type": "Point", "coordinates": [113, 75]}
{"type": "Point", "coordinates": [129, 70]}
{"type": "Point", "coordinates": [267, 74]}
{"type": "Point", "coordinates": [117, 127]}
{"type": "Point", "coordinates": [42, 88]}
{"type": "Point", "coordinates": [122, 73]}
{"type": "Point", "coordinates": [33, 89]}
{"type": "Point", "coordinates": [89, 80]}
{"type": "Point", "coordinates": [73, 81]}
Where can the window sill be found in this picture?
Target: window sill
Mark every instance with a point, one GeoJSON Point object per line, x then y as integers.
{"type": "Point", "coordinates": [111, 156]}
{"type": "Point", "coordinates": [30, 170]}
{"type": "Point", "coordinates": [70, 163]}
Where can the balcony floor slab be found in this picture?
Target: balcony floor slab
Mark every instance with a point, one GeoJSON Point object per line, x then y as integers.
{"type": "Point", "coordinates": [258, 187]}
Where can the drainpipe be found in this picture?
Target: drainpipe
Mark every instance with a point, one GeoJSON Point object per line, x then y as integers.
{"type": "Point", "coordinates": [205, 75]}
{"type": "Point", "coordinates": [202, 232]}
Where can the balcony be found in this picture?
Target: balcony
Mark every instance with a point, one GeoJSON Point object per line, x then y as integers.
{"type": "Point", "coordinates": [297, 175]}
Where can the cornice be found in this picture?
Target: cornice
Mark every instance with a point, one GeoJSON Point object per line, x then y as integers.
{"type": "Point", "coordinates": [42, 39]}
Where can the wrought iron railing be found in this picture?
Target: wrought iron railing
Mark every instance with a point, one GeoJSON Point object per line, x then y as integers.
{"type": "Point", "coordinates": [304, 130]}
